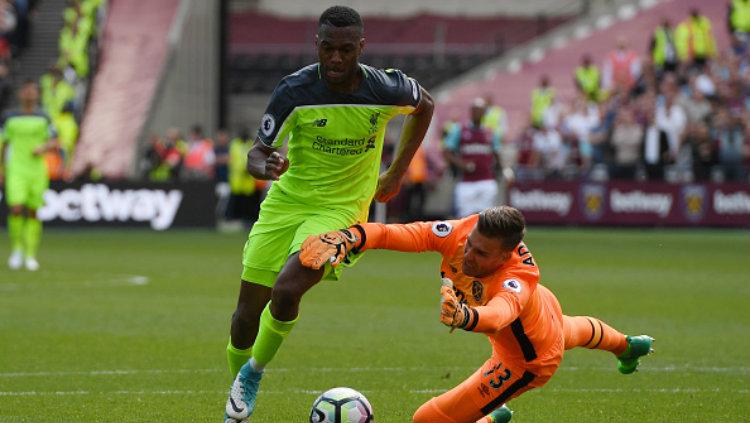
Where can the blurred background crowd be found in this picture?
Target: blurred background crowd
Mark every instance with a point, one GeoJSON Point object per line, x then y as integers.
{"type": "Point", "coordinates": [674, 109]}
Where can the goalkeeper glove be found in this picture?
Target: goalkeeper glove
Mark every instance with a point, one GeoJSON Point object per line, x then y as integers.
{"type": "Point", "coordinates": [331, 246]}
{"type": "Point", "coordinates": [453, 313]}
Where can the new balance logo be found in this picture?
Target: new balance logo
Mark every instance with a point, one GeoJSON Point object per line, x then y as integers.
{"type": "Point", "coordinates": [321, 123]}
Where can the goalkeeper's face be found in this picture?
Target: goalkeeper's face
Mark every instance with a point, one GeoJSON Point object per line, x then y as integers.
{"type": "Point", "coordinates": [339, 49]}
{"type": "Point", "coordinates": [483, 255]}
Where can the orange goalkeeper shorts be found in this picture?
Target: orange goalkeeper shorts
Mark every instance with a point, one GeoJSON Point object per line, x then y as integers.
{"type": "Point", "coordinates": [491, 386]}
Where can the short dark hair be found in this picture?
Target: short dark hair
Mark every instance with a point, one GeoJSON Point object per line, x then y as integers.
{"type": "Point", "coordinates": [503, 223]}
{"type": "Point", "coordinates": [340, 17]}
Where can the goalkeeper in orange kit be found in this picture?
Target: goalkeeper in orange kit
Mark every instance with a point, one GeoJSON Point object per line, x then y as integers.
{"type": "Point", "coordinates": [490, 285]}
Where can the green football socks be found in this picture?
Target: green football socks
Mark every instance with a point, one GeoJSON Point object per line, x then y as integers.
{"type": "Point", "coordinates": [32, 234]}
{"type": "Point", "coordinates": [237, 357]}
{"type": "Point", "coordinates": [15, 231]}
{"type": "Point", "coordinates": [271, 335]}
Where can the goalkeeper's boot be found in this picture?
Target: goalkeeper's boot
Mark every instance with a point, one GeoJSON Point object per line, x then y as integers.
{"type": "Point", "coordinates": [15, 261]}
{"type": "Point", "coordinates": [503, 414]}
{"type": "Point", "coordinates": [241, 402]}
{"type": "Point", "coordinates": [638, 346]}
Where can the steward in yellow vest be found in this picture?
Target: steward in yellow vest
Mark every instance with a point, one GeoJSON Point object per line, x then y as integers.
{"type": "Point", "coordinates": [663, 48]}
{"type": "Point", "coordinates": [694, 40]}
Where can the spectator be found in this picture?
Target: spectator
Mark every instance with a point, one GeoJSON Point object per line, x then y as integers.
{"type": "Point", "coordinates": [588, 79]}
{"type": "Point", "coordinates": [245, 191]}
{"type": "Point", "coordinates": [577, 128]}
{"type": "Point", "coordinates": [475, 151]}
{"type": "Point", "coordinates": [694, 40]}
{"type": "Point", "coordinates": [8, 22]}
{"type": "Point", "coordinates": [451, 124]}
{"type": "Point", "coordinates": [730, 138]}
{"type": "Point", "coordinates": [6, 88]}
{"type": "Point", "coordinates": [495, 118]}
{"type": "Point", "coordinates": [221, 153]}
{"type": "Point", "coordinates": [200, 158]}
{"type": "Point", "coordinates": [664, 134]}
{"type": "Point", "coordinates": [622, 68]}
{"type": "Point", "coordinates": [738, 21]}
{"type": "Point", "coordinates": [56, 92]}
{"type": "Point", "coordinates": [550, 153]}
{"type": "Point", "coordinates": [67, 132]}
{"type": "Point", "coordinates": [697, 107]}
{"type": "Point", "coordinates": [627, 137]}
{"type": "Point", "coordinates": [542, 98]}
{"type": "Point", "coordinates": [164, 158]}
{"type": "Point", "coordinates": [704, 152]}
{"type": "Point", "coordinates": [153, 159]}
{"type": "Point", "coordinates": [663, 50]}
{"type": "Point", "coordinates": [415, 186]}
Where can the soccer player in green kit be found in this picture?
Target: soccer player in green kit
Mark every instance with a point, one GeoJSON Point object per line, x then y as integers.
{"type": "Point", "coordinates": [334, 114]}
{"type": "Point", "coordinates": [27, 134]}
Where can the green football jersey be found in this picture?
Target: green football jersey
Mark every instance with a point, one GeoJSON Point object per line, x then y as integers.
{"type": "Point", "coordinates": [335, 140]}
{"type": "Point", "coordinates": [23, 133]}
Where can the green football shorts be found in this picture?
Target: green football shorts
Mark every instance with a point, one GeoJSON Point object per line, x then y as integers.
{"type": "Point", "coordinates": [279, 232]}
{"type": "Point", "coordinates": [26, 189]}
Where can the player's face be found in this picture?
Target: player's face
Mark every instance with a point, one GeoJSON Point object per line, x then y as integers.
{"type": "Point", "coordinates": [29, 94]}
{"type": "Point", "coordinates": [338, 52]}
{"type": "Point", "coordinates": [482, 255]}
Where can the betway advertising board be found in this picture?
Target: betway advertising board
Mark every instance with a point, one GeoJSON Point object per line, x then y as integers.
{"type": "Point", "coordinates": [155, 206]}
{"type": "Point", "coordinates": [632, 203]}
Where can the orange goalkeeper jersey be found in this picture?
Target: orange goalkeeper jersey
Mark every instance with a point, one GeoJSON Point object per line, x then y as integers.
{"type": "Point", "coordinates": [522, 319]}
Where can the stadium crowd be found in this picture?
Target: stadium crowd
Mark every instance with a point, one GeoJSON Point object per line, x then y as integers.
{"type": "Point", "coordinates": [15, 32]}
{"type": "Point", "coordinates": [680, 112]}
{"type": "Point", "coordinates": [197, 157]}
{"type": "Point", "coordinates": [64, 87]}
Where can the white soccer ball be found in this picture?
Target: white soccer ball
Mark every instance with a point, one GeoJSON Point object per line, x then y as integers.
{"type": "Point", "coordinates": [341, 405]}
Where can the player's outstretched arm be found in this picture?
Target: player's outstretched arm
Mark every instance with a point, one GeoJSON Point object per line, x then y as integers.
{"type": "Point", "coordinates": [334, 246]}
{"type": "Point", "coordinates": [264, 162]}
{"type": "Point", "coordinates": [330, 247]}
{"type": "Point", "coordinates": [415, 128]}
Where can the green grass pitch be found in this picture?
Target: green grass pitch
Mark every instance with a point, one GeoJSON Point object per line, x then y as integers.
{"type": "Point", "coordinates": [130, 326]}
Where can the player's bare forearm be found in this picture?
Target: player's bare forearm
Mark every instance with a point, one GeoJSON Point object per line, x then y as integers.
{"type": "Point", "coordinates": [415, 128]}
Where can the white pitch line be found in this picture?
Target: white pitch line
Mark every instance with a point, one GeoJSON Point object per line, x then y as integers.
{"type": "Point", "coordinates": [367, 391]}
{"type": "Point", "coordinates": [114, 372]}
{"type": "Point", "coordinates": [128, 372]}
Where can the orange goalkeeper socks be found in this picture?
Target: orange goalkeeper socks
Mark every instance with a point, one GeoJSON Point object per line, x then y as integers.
{"type": "Point", "coordinates": [592, 333]}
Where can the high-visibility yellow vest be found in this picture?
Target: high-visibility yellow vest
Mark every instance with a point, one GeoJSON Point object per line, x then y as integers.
{"type": "Point", "coordinates": [59, 94]}
{"type": "Point", "coordinates": [541, 100]}
{"type": "Point", "coordinates": [240, 181]}
{"type": "Point", "coordinates": [740, 17]}
{"type": "Point", "coordinates": [493, 118]}
{"type": "Point", "coordinates": [693, 39]}
{"type": "Point", "coordinates": [67, 132]}
{"type": "Point", "coordinates": [588, 79]}
{"type": "Point", "coordinates": [662, 38]}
